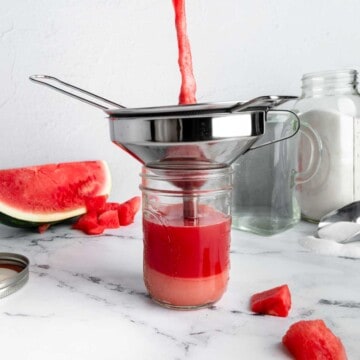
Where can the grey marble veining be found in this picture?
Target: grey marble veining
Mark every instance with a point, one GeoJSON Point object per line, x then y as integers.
{"type": "Point", "coordinates": [85, 299]}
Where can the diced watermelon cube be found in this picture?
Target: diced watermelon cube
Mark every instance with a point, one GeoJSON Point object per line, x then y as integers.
{"type": "Point", "coordinates": [88, 223]}
{"type": "Point", "coordinates": [42, 228]}
{"type": "Point", "coordinates": [111, 206]}
{"type": "Point", "coordinates": [128, 210]}
{"type": "Point", "coordinates": [86, 220]}
{"type": "Point", "coordinates": [276, 301]}
{"type": "Point", "coordinates": [134, 202]}
{"type": "Point", "coordinates": [95, 203]}
{"type": "Point", "coordinates": [109, 219]}
{"type": "Point", "coordinates": [312, 339]}
{"type": "Point", "coordinates": [96, 230]}
{"type": "Point", "coordinates": [126, 214]}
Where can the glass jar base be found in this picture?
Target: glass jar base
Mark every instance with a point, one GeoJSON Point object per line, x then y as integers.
{"type": "Point", "coordinates": [264, 225]}
{"type": "Point", "coordinates": [309, 219]}
{"type": "Point", "coordinates": [182, 307]}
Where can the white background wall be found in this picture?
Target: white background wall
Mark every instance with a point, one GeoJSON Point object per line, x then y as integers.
{"type": "Point", "coordinates": [126, 50]}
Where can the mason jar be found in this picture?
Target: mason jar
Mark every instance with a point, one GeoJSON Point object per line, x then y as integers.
{"type": "Point", "coordinates": [186, 228]}
{"type": "Point", "coordinates": [264, 199]}
{"type": "Point", "coordinates": [330, 106]}
{"type": "Point", "coordinates": [265, 178]}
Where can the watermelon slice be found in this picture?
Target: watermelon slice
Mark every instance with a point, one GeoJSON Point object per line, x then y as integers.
{"type": "Point", "coordinates": [44, 194]}
{"type": "Point", "coordinates": [312, 339]}
{"type": "Point", "coordinates": [276, 301]}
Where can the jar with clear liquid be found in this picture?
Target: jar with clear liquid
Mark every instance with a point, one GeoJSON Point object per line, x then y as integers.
{"type": "Point", "coordinates": [264, 199]}
{"type": "Point", "coordinates": [330, 106]}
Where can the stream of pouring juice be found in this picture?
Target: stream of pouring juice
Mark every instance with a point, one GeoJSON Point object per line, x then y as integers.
{"type": "Point", "coordinates": [186, 263]}
{"type": "Point", "coordinates": [188, 84]}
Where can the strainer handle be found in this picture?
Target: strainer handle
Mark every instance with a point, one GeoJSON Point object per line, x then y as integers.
{"type": "Point", "coordinates": [283, 138]}
{"type": "Point", "coordinates": [267, 102]}
{"type": "Point", "coordinates": [48, 80]}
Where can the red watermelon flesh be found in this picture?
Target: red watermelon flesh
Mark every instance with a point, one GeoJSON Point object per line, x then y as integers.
{"type": "Point", "coordinates": [275, 301]}
{"type": "Point", "coordinates": [102, 215]}
{"type": "Point", "coordinates": [109, 219]}
{"type": "Point", "coordinates": [88, 223]}
{"type": "Point", "coordinates": [312, 339]}
{"type": "Point", "coordinates": [52, 192]}
{"type": "Point", "coordinates": [95, 203]}
{"type": "Point", "coordinates": [134, 204]}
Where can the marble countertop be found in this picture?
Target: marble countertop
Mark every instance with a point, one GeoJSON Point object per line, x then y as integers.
{"type": "Point", "coordinates": [85, 299]}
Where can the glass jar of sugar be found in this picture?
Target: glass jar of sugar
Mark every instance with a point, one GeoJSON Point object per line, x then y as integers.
{"type": "Point", "coordinates": [330, 106]}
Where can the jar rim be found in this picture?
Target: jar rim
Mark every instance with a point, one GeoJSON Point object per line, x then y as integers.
{"type": "Point", "coordinates": [186, 165]}
{"type": "Point", "coordinates": [186, 174]}
{"type": "Point", "coordinates": [329, 74]}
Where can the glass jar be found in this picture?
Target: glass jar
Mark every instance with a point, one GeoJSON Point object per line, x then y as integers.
{"type": "Point", "coordinates": [330, 106]}
{"type": "Point", "coordinates": [186, 226]}
{"type": "Point", "coordinates": [264, 199]}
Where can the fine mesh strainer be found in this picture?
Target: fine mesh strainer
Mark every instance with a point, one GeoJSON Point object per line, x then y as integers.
{"type": "Point", "coordinates": [197, 135]}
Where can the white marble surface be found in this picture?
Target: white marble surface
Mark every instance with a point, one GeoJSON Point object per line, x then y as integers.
{"type": "Point", "coordinates": [85, 299]}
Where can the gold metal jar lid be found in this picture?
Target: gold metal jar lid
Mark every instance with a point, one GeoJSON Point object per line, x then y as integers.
{"type": "Point", "coordinates": [14, 272]}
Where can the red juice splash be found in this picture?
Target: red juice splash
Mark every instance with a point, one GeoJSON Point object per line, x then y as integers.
{"type": "Point", "coordinates": [188, 84]}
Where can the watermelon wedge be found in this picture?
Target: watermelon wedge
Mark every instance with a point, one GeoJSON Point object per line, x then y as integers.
{"type": "Point", "coordinates": [43, 194]}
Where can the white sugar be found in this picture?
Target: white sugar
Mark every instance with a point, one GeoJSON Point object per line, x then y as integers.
{"type": "Point", "coordinates": [330, 238]}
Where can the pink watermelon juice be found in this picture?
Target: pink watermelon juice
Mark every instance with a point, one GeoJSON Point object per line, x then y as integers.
{"type": "Point", "coordinates": [188, 83]}
{"type": "Point", "coordinates": [186, 265]}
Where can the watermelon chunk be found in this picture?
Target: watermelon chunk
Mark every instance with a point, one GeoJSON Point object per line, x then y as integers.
{"type": "Point", "coordinates": [43, 194]}
{"type": "Point", "coordinates": [312, 339]}
{"type": "Point", "coordinates": [128, 210]}
{"type": "Point", "coordinates": [42, 228]}
{"type": "Point", "coordinates": [104, 215]}
{"type": "Point", "coordinates": [126, 215]}
{"type": "Point", "coordinates": [109, 219]}
{"type": "Point", "coordinates": [111, 206]}
{"type": "Point", "coordinates": [88, 223]}
{"type": "Point", "coordinates": [276, 301]}
{"type": "Point", "coordinates": [134, 203]}
{"type": "Point", "coordinates": [95, 203]}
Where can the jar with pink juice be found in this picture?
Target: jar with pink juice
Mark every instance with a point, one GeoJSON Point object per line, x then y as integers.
{"type": "Point", "coordinates": [186, 225]}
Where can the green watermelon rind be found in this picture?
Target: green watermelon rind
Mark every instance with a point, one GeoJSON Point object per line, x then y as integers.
{"type": "Point", "coordinates": [44, 218]}
{"type": "Point", "coordinates": [13, 222]}
{"type": "Point", "coordinates": [23, 224]}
